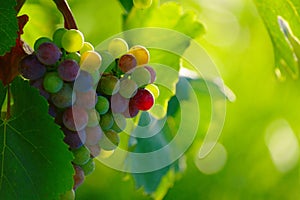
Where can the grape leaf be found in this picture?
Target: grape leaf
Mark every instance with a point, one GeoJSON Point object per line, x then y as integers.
{"type": "Point", "coordinates": [8, 25]}
{"type": "Point", "coordinates": [35, 162]}
{"type": "Point", "coordinates": [269, 10]}
{"type": "Point", "coordinates": [9, 63]}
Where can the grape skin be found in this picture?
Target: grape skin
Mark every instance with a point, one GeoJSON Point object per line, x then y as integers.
{"type": "Point", "coordinates": [90, 61]}
{"type": "Point", "coordinates": [63, 98]}
{"type": "Point", "coordinates": [72, 40]}
{"type": "Point", "coordinates": [84, 81]}
{"type": "Point", "coordinates": [141, 54]}
{"type": "Point", "coordinates": [117, 47]}
{"type": "Point", "coordinates": [102, 105]}
{"type": "Point", "coordinates": [52, 82]}
{"type": "Point", "coordinates": [81, 155]}
{"type": "Point", "coordinates": [128, 88]}
{"type": "Point", "coordinates": [118, 103]}
{"type": "Point", "coordinates": [74, 139]}
{"type": "Point", "coordinates": [31, 68]}
{"type": "Point", "coordinates": [75, 118]}
{"type": "Point", "coordinates": [48, 53]}
{"type": "Point", "coordinates": [141, 76]}
{"type": "Point", "coordinates": [68, 70]}
{"type": "Point", "coordinates": [143, 100]}
{"type": "Point", "coordinates": [127, 62]}
{"type": "Point", "coordinates": [109, 85]}
{"type": "Point", "coordinates": [93, 135]}
{"type": "Point", "coordinates": [87, 99]}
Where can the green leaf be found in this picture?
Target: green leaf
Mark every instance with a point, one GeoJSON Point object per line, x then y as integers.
{"type": "Point", "coordinates": [8, 26]}
{"type": "Point", "coordinates": [127, 4]}
{"type": "Point", "coordinates": [35, 162]}
{"type": "Point", "coordinates": [270, 12]}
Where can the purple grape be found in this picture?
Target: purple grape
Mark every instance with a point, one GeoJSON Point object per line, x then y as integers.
{"type": "Point", "coordinates": [118, 103]}
{"type": "Point", "coordinates": [73, 138]}
{"type": "Point", "coordinates": [87, 99]}
{"type": "Point", "coordinates": [83, 82]}
{"type": "Point", "coordinates": [127, 62]}
{"type": "Point", "coordinates": [78, 177]}
{"type": "Point", "coordinates": [93, 135]}
{"type": "Point", "coordinates": [68, 70]}
{"type": "Point", "coordinates": [48, 53]}
{"type": "Point", "coordinates": [75, 118]}
{"type": "Point", "coordinates": [94, 149]}
{"type": "Point", "coordinates": [31, 68]}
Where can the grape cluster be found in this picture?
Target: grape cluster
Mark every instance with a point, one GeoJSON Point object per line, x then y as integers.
{"type": "Point", "coordinates": [90, 103]}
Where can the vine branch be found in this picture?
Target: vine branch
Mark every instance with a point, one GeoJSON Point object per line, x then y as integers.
{"type": "Point", "coordinates": [64, 8]}
{"type": "Point", "coordinates": [19, 5]}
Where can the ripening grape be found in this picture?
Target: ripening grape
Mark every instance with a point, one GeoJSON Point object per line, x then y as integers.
{"type": "Point", "coordinates": [38, 84]}
{"type": "Point", "coordinates": [74, 139]}
{"type": "Point", "coordinates": [109, 141]}
{"type": "Point", "coordinates": [48, 53]}
{"type": "Point", "coordinates": [117, 47]}
{"type": "Point", "coordinates": [127, 62]}
{"type": "Point", "coordinates": [68, 195]}
{"type": "Point", "coordinates": [75, 118]}
{"type": "Point", "coordinates": [94, 149]}
{"type": "Point", "coordinates": [52, 82]}
{"type": "Point", "coordinates": [90, 61]}
{"type": "Point", "coordinates": [94, 118]}
{"type": "Point", "coordinates": [109, 85]}
{"type": "Point", "coordinates": [73, 56]}
{"type": "Point", "coordinates": [141, 54]}
{"type": "Point", "coordinates": [78, 177]}
{"type": "Point", "coordinates": [118, 103]}
{"type": "Point", "coordinates": [40, 41]}
{"type": "Point", "coordinates": [72, 40]}
{"type": "Point", "coordinates": [128, 88]}
{"type": "Point", "coordinates": [64, 98]}
{"type": "Point", "coordinates": [152, 73]}
{"type": "Point", "coordinates": [145, 119]}
{"type": "Point", "coordinates": [131, 110]}
{"type": "Point", "coordinates": [31, 68]}
{"type": "Point", "coordinates": [86, 99]}
{"type": "Point", "coordinates": [102, 105]}
{"type": "Point", "coordinates": [106, 121]}
{"type": "Point", "coordinates": [81, 155]}
{"type": "Point", "coordinates": [86, 47]}
{"type": "Point", "coordinates": [83, 82]}
{"type": "Point", "coordinates": [143, 100]}
{"type": "Point", "coordinates": [88, 167]}
{"type": "Point", "coordinates": [142, 4]}
{"type": "Point", "coordinates": [153, 89]}
{"type": "Point", "coordinates": [141, 76]}
{"type": "Point", "coordinates": [57, 36]}
{"type": "Point", "coordinates": [68, 70]}
{"type": "Point", "coordinates": [119, 123]}
{"type": "Point", "coordinates": [93, 135]}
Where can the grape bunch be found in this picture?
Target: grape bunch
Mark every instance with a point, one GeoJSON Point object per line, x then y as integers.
{"type": "Point", "coordinates": [65, 70]}
{"type": "Point", "coordinates": [89, 100]}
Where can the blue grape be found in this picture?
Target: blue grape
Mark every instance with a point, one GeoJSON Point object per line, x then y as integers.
{"type": "Point", "coordinates": [73, 138]}
{"type": "Point", "coordinates": [83, 82]}
{"type": "Point", "coordinates": [31, 68]}
{"type": "Point", "coordinates": [48, 53]}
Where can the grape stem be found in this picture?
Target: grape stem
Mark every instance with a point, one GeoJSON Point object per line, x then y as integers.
{"type": "Point", "coordinates": [65, 10]}
{"type": "Point", "coordinates": [19, 5]}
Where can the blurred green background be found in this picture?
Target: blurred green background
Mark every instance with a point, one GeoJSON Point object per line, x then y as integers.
{"type": "Point", "coordinates": [261, 133]}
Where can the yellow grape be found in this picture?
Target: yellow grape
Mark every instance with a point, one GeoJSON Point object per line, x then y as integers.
{"type": "Point", "coordinates": [141, 54]}
{"type": "Point", "coordinates": [87, 47]}
{"type": "Point", "coordinates": [117, 47]}
{"type": "Point", "coordinates": [72, 40]}
{"type": "Point", "coordinates": [90, 61]}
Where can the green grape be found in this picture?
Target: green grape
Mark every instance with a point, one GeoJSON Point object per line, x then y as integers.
{"type": "Point", "coordinates": [153, 89]}
{"type": "Point", "coordinates": [94, 118]}
{"type": "Point", "coordinates": [40, 41]}
{"type": "Point", "coordinates": [72, 40]}
{"type": "Point", "coordinates": [142, 4]}
{"type": "Point", "coordinates": [117, 47]}
{"type": "Point", "coordinates": [57, 36]}
{"type": "Point", "coordinates": [102, 105]}
{"type": "Point", "coordinates": [141, 54]}
{"type": "Point", "coordinates": [106, 121]}
{"type": "Point", "coordinates": [87, 47]}
{"type": "Point", "coordinates": [90, 61]}
{"type": "Point", "coordinates": [109, 85]}
{"type": "Point", "coordinates": [73, 56]}
{"type": "Point", "coordinates": [52, 82]}
{"type": "Point", "coordinates": [128, 88]}
{"type": "Point", "coordinates": [109, 141]}
{"type": "Point", "coordinates": [68, 195]}
{"type": "Point", "coordinates": [81, 155]}
{"type": "Point", "coordinates": [119, 123]}
{"type": "Point", "coordinates": [88, 167]}
{"type": "Point", "coordinates": [145, 119]}
{"type": "Point", "coordinates": [141, 76]}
